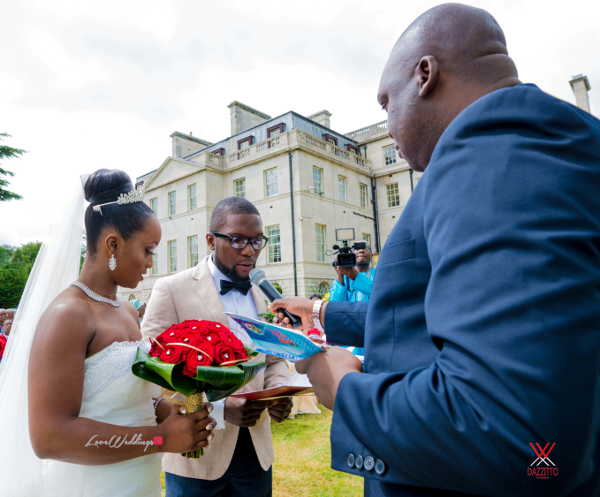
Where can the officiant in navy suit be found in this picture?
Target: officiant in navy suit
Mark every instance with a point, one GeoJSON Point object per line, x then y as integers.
{"type": "Point", "coordinates": [482, 336]}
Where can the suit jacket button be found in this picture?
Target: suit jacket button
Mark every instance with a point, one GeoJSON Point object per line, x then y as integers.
{"type": "Point", "coordinates": [350, 460]}
{"type": "Point", "coordinates": [359, 462]}
{"type": "Point", "coordinates": [380, 467]}
{"type": "Point", "coordinates": [369, 463]}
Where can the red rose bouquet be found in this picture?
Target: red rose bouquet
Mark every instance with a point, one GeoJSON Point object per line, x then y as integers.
{"type": "Point", "coordinates": [196, 357]}
{"type": "Point", "coordinates": [3, 341]}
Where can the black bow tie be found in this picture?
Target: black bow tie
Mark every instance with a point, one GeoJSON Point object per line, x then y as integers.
{"type": "Point", "coordinates": [227, 286]}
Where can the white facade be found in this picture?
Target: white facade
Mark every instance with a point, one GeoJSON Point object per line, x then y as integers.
{"type": "Point", "coordinates": [262, 168]}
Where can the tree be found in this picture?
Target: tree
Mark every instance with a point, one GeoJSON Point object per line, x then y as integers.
{"type": "Point", "coordinates": [14, 271]}
{"type": "Point", "coordinates": [7, 152]}
{"type": "Point", "coordinates": [83, 251]}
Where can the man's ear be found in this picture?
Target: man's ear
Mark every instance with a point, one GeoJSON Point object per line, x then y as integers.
{"type": "Point", "coordinates": [211, 239]}
{"type": "Point", "coordinates": [428, 74]}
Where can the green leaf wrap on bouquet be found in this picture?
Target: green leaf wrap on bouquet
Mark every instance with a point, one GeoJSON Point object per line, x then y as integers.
{"type": "Point", "coordinates": [196, 358]}
{"type": "Point", "coordinates": [216, 381]}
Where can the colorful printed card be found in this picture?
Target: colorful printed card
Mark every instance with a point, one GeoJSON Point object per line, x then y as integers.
{"type": "Point", "coordinates": [276, 340]}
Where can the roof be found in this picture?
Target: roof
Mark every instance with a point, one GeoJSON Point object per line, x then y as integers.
{"type": "Point", "coordinates": [291, 119]}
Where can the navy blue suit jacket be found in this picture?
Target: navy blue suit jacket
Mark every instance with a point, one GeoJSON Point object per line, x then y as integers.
{"type": "Point", "coordinates": [483, 330]}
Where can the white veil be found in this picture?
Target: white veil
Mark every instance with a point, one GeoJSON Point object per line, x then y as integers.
{"type": "Point", "coordinates": [56, 266]}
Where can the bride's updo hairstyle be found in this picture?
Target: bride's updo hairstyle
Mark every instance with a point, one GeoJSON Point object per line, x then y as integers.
{"type": "Point", "coordinates": [103, 186]}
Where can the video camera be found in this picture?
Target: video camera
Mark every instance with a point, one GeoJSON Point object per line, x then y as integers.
{"type": "Point", "coordinates": [345, 255]}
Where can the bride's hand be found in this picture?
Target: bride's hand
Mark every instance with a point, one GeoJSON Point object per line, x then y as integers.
{"type": "Point", "coordinates": [184, 433]}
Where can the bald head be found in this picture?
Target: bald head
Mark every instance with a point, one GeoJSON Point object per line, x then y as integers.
{"type": "Point", "coordinates": [446, 59]}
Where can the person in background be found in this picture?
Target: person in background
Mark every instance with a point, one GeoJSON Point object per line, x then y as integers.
{"type": "Point", "coordinates": [315, 296]}
{"type": "Point", "coordinates": [3, 316]}
{"type": "Point", "coordinates": [11, 313]}
{"type": "Point", "coordinates": [140, 307]}
{"type": "Point", "coordinates": [354, 284]}
{"type": "Point", "coordinates": [7, 326]}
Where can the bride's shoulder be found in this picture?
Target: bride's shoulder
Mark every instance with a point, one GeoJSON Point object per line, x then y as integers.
{"type": "Point", "coordinates": [65, 313]}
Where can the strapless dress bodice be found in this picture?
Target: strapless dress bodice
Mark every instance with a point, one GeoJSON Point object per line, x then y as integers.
{"type": "Point", "coordinates": [111, 394]}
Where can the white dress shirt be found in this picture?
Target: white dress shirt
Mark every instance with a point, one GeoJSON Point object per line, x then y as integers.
{"type": "Point", "coordinates": [233, 301]}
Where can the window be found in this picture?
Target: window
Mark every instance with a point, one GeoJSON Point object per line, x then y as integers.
{"type": "Point", "coordinates": [364, 196]}
{"type": "Point", "coordinates": [275, 130]}
{"type": "Point", "coordinates": [330, 139]}
{"type": "Point", "coordinates": [274, 245]}
{"type": "Point", "coordinates": [271, 182]}
{"type": "Point", "coordinates": [192, 196]}
{"type": "Point", "coordinates": [245, 143]}
{"type": "Point", "coordinates": [352, 148]}
{"type": "Point", "coordinates": [392, 194]}
{"type": "Point", "coordinates": [173, 256]}
{"type": "Point", "coordinates": [239, 187]}
{"type": "Point", "coordinates": [367, 238]}
{"type": "Point", "coordinates": [193, 250]}
{"type": "Point", "coordinates": [342, 188]}
{"type": "Point", "coordinates": [218, 151]}
{"type": "Point", "coordinates": [318, 180]}
{"type": "Point", "coordinates": [320, 242]}
{"type": "Point", "coordinates": [154, 205]}
{"type": "Point", "coordinates": [172, 202]}
{"type": "Point", "coordinates": [154, 268]}
{"type": "Point", "coordinates": [389, 155]}
{"type": "Point", "coordinates": [323, 289]}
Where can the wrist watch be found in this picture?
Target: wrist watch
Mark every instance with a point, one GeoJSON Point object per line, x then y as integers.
{"type": "Point", "coordinates": [317, 314]}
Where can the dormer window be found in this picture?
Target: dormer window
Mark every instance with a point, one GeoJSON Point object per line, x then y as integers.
{"type": "Point", "coordinates": [245, 142]}
{"type": "Point", "coordinates": [275, 130]}
{"type": "Point", "coordinates": [218, 151]}
{"type": "Point", "coordinates": [331, 139]}
{"type": "Point", "coordinates": [352, 148]}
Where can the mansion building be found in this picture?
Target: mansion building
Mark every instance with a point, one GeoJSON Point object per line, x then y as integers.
{"type": "Point", "coordinates": [306, 180]}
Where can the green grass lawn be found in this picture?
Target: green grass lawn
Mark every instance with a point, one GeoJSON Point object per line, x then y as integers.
{"type": "Point", "coordinates": [302, 466]}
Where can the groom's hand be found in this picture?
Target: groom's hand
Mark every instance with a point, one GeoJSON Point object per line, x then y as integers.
{"type": "Point", "coordinates": [325, 371]}
{"type": "Point", "coordinates": [245, 413]}
{"type": "Point", "coordinates": [281, 409]}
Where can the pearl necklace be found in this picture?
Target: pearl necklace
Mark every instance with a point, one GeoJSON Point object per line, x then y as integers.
{"type": "Point", "coordinates": [94, 296]}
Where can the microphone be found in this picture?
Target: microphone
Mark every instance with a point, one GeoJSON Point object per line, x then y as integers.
{"type": "Point", "coordinates": [259, 278]}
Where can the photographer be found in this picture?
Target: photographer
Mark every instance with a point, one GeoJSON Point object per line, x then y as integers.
{"type": "Point", "coordinates": [354, 284]}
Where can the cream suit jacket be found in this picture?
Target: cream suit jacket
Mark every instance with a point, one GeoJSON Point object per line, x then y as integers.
{"type": "Point", "coordinates": [192, 294]}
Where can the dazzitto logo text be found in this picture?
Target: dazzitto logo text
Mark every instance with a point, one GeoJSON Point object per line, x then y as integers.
{"type": "Point", "coordinates": [543, 467]}
{"type": "Point", "coordinates": [116, 441]}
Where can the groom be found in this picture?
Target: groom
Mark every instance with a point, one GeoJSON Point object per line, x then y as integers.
{"type": "Point", "coordinates": [239, 460]}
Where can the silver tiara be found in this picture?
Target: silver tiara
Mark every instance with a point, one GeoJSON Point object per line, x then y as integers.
{"type": "Point", "coordinates": [135, 195]}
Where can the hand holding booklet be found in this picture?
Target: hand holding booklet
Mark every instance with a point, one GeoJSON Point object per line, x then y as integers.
{"type": "Point", "coordinates": [276, 340]}
{"type": "Point", "coordinates": [282, 342]}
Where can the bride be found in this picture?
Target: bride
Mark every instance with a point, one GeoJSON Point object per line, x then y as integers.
{"type": "Point", "coordinates": [74, 420]}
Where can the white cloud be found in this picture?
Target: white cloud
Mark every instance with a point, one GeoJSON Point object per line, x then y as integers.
{"type": "Point", "coordinates": [88, 85]}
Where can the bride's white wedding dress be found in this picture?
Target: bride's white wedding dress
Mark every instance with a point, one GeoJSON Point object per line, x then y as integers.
{"type": "Point", "coordinates": [111, 394]}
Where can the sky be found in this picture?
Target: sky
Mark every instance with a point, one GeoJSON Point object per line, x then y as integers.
{"type": "Point", "coordinates": [87, 85]}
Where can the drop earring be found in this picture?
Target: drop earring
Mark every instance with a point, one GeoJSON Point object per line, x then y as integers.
{"type": "Point", "coordinates": [112, 263]}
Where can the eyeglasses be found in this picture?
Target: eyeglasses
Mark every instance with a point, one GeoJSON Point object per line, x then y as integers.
{"type": "Point", "coordinates": [241, 242]}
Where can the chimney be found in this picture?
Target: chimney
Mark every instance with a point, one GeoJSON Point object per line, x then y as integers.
{"type": "Point", "coordinates": [183, 145]}
{"type": "Point", "coordinates": [244, 117]}
{"type": "Point", "coordinates": [580, 86]}
{"type": "Point", "coordinates": [322, 117]}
